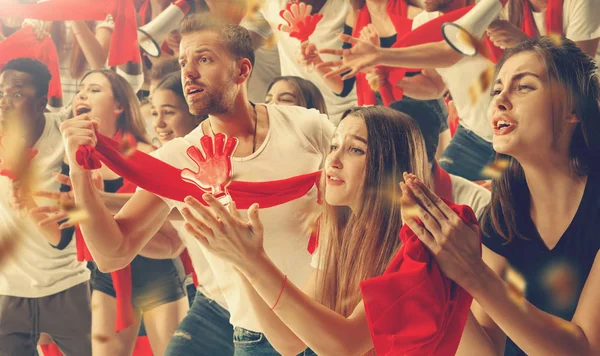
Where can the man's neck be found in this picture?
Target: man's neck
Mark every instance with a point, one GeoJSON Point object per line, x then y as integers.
{"type": "Point", "coordinates": [239, 121]}
{"type": "Point", "coordinates": [454, 5]}
{"type": "Point", "coordinates": [33, 131]}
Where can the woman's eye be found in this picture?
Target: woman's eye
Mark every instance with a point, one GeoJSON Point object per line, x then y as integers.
{"type": "Point", "coordinates": [524, 87]}
{"type": "Point", "coordinates": [17, 95]}
{"type": "Point", "coordinates": [333, 147]}
{"type": "Point", "coordinates": [496, 92]}
{"type": "Point", "coordinates": [154, 113]}
{"type": "Point", "coordinates": [356, 150]}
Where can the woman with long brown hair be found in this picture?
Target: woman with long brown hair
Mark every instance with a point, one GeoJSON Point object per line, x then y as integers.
{"type": "Point", "coordinates": [543, 220]}
{"type": "Point", "coordinates": [370, 149]}
{"type": "Point", "coordinates": [157, 290]}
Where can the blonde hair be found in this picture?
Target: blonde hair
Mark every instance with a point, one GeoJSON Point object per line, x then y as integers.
{"type": "Point", "coordinates": [358, 245]}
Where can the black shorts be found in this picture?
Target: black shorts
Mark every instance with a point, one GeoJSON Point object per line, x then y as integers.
{"type": "Point", "coordinates": [154, 282]}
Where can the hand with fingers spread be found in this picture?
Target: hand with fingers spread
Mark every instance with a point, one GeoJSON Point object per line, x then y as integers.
{"type": "Point", "coordinates": [223, 231]}
{"type": "Point", "coordinates": [65, 203]}
{"type": "Point", "coordinates": [76, 132]}
{"type": "Point", "coordinates": [455, 244]}
{"type": "Point", "coordinates": [360, 58]}
{"type": "Point", "coordinates": [300, 23]}
{"type": "Point", "coordinates": [214, 167]}
{"type": "Point", "coordinates": [504, 35]}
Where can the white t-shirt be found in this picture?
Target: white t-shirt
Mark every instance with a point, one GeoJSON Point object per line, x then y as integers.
{"type": "Point", "coordinates": [465, 192]}
{"type": "Point", "coordinates": [581, 20]}
{"type": "Point", "coordinates": [297, 143]}
{"type": "Point", "coordinates": [36, 269]}
{"type": "Point", "coordinates": [334, 17]}
{"type": "Point", "coordinates": [458, 78]}
{"type": "Point", "coordinates": [207, 283]}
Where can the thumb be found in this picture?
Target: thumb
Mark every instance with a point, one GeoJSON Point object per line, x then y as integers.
{"type": "Point", "coordinates": [255, 224]}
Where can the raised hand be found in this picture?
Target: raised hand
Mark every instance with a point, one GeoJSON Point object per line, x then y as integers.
{"type": "Point", "coordinates": [78, 131]}
{"type": "Point", "coordinates": [300, 23]}
{"type": "Point", "coordinates": [455, 245]}
{"type": "Point", "coordinates": [504, 35]}
{"type": "Point", "coordinates": [360, 58]}
{"type": "Point", "coordinates": [222, 231]}
{"type": "Point", "coordinates": [214, 167]}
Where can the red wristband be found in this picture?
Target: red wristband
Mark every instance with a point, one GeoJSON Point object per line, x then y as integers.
{"type": "Point", "coordinates": [280, 292]}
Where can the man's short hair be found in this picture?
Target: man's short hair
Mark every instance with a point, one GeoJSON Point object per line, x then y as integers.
{"type": "Point", "coordinates": [38, 71]}
{"type": "Point", "coordinates": [236, 39]}
{"type": "Point", "coordinates": [164, 67]}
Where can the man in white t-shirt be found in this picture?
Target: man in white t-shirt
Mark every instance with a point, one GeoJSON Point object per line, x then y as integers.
{"type": "Point", "coordinates": [334, 17]}
{"type": "Point", "coordinates": [274, 143]}
{"type": "Point", "coordinates": [42, 289]}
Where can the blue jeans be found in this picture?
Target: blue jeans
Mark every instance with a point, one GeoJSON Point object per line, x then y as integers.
{"type": "Point", "coordinates": [467, 155]}
{"type": "Point", "coordinates": [252, 343]}
{"type": "Point", "coordinates": [205, 331]}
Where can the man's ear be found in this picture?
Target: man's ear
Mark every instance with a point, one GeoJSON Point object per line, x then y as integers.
{"type": "Point", "coordinates": [244, 71]}
{"type": "Point", "coordinates": [42, 102]}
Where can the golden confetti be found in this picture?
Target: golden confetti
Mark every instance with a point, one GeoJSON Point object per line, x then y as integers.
{"type": "Point", "coordinates": [556, 38]}
{"type": "Point", "coordinates": [466, 39]}
{"type": "Point", "coordinates": [481, 84]}
{"type": "Point", "coordinates": [560, 279]}
{"type": "Point", "coordinates": [77, 216]}
{"type": "Point", "coordinates": [516, 286]}
{"type": "Point", "coordinates": [495, 169]}
{"type": "Point", "coordinates": [9, 242]}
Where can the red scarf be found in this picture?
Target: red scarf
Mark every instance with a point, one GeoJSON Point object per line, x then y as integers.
{"type": "Point", "coordinates": [24, 44]}
{"type": "Point", "coordinates": [413, 309]}
{"type": "Point", "coordinates": [123, 47]}
{"type": "Point", "coordinates": [554, 19]}
{"type": "Point", "coordinates": [165, 180]}
{"type": "Point", "coordinates": [397, 10]}
{"type": "Point", "coordinates": [443, 183]}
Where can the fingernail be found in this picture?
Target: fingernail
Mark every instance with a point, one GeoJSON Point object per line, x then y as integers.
{"type": "Point", "coordinates": [185, 211]}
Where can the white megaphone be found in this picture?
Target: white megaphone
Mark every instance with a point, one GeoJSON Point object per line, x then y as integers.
{"type": "Point", "coordinates": [464, 34]}
{"type": "Point", "coordinates": [152, 35]}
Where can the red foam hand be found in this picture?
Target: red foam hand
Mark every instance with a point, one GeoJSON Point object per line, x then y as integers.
{"type": "Point", "coordinates": [214, 168]}
{"type": "Point", "coordinates": [300, 23]}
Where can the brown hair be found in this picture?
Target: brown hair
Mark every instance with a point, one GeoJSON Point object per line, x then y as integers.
{"type": "Point", "coordinates": [130, 120]}
{"type": "Point", "coordinates": [236, 39]}
{"type": "Point", "coordinates": [358, 245]}
{"type": "Point", "coordinates": [310, 96]}
{"type": "Point", "coordinates": [576, 74]}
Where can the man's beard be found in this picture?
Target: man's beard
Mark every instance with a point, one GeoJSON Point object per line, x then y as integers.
{"type": "Point", "coordinates": [212, 102]}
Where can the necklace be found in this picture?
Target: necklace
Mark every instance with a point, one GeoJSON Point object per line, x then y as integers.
{"type": "Point", "coordinates": [255, 126]}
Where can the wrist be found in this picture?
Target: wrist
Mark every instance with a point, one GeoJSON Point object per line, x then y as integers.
{"type": "Point", "coordinates": [253, 266]}
{"type": "Point", "coordinates": [477, 281]}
